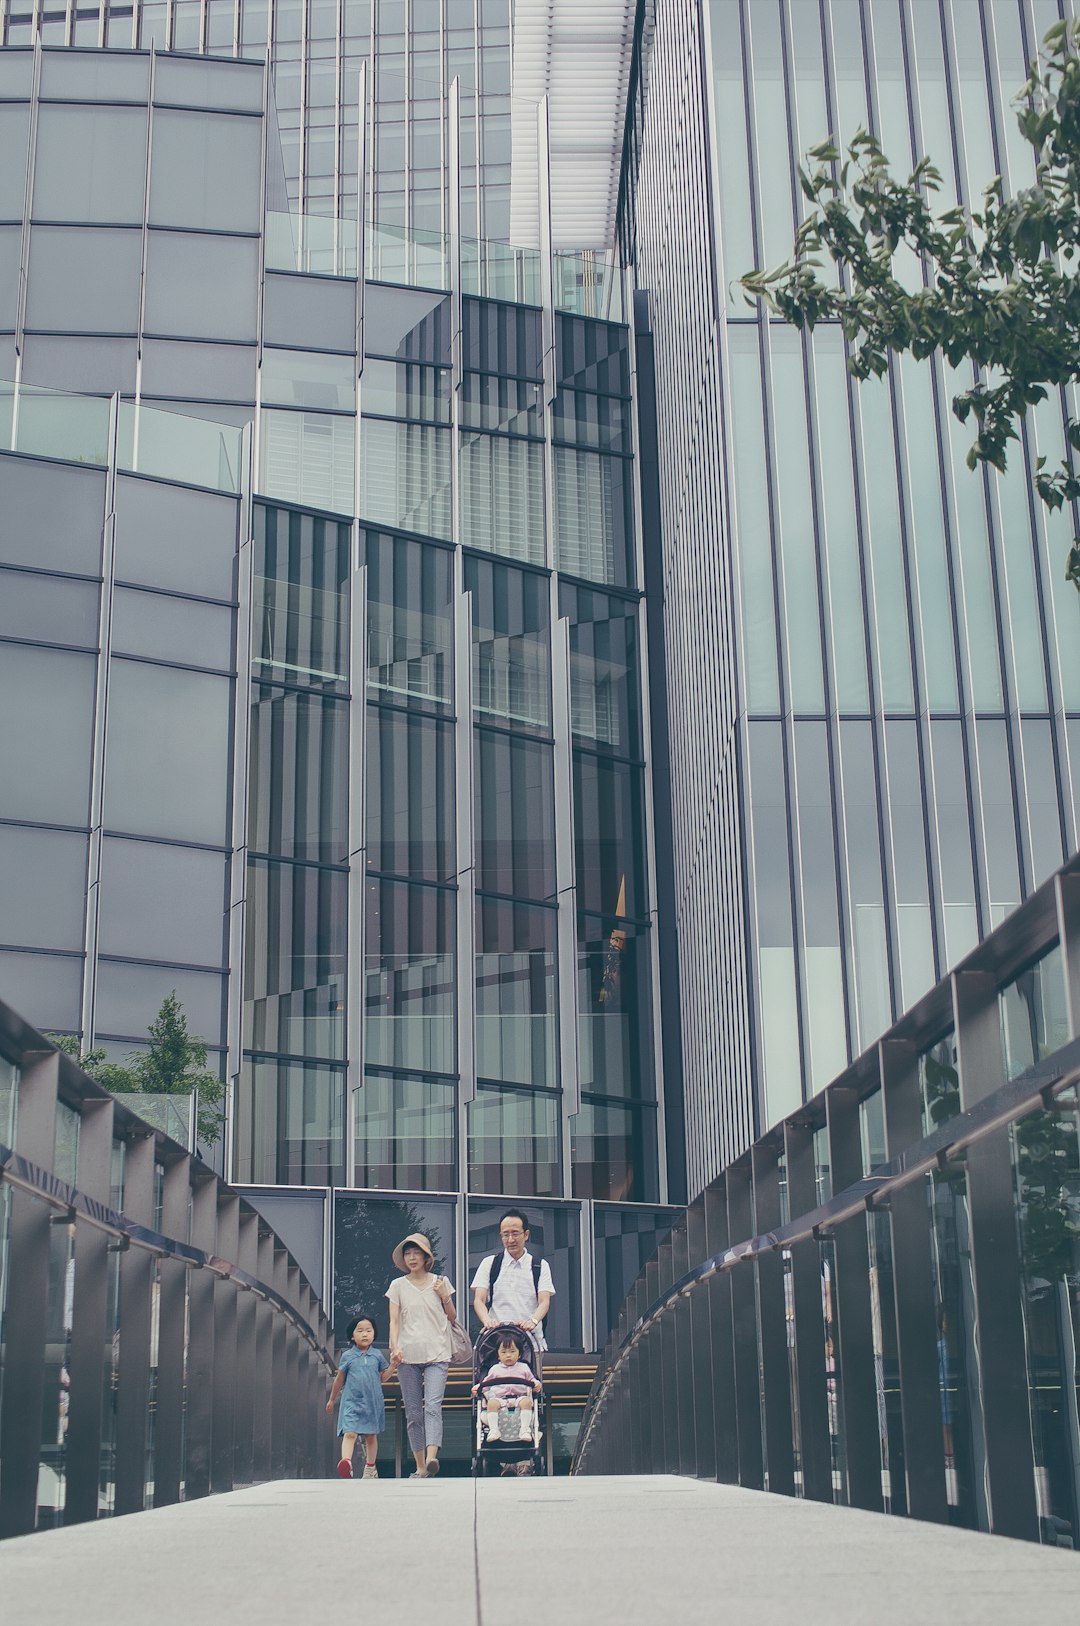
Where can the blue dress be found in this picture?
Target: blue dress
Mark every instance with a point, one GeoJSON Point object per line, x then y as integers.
{"type": "Point", "coordinates": [362, 1409]}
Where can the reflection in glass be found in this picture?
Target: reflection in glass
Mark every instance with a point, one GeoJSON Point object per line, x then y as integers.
{"type": "Point", "coordinates": [613, 1152]}
{"type": "Point", "coordinates": [1034, 1016]}
{"type": "Point", "coordinates": [169, 736]}
{"type": "Point", "coordinates": [625, 1240]}
{"type": "Point", "coordinates": [614, 1019]}
{"type": "Point", "coordinates": [609, 836]}
{"type": "Point", "coordinates": [405, 476]}
{"type": "Point", "coordinates": [502, 496]}
{"type": "Point", "coordinates": [409, 977]}
{"type": "Point", "coordinates": [366, 1232]}
{"type": "Point", "coordinates": [410, 790]}
{"type": "Point", "coordinates": [406, 1132]}
{"type": "Point", "coordinates": [405, 389]}
{"type": "Point", "coordinates": [294, 970]}
{"type": "Point", "coordinates": [515, 993]}
{"type": "Point", "coordinates": [604, 707]}
{"type": "Point", "coordinates": [300, 616]}
{"type": "Point", "coordinates": [514, 1142]}
{"type": "Point", "coordinates": [554, 1235]}
{"type": "Point", "coordinates": [409, 619]}
{"type": "Point", "coordinates": [298, 774]}
{"type": "Point", "coordinates": [511, 656]}
{"type": "Point", "coordinates": [515, 815]}
{"type": "Point", "coordinates": [592, 508]}
{"type": "Point", "coordinates": [290, 1120]}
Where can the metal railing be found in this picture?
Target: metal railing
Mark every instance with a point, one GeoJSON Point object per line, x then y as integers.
{"type": "Point", "coordinates": [158, 1341]}
{"type": "Point", "coordinates": [907, 1342]}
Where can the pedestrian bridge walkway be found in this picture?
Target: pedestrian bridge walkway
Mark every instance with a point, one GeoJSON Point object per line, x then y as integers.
{"type": "Point", "coordinates": [640, 1551]}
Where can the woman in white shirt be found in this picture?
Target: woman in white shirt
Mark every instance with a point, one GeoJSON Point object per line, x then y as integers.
{"type": "Point", "coordinates": [421, 1310]}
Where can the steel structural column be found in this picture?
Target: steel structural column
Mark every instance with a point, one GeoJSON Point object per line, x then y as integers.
{"type": "Point", "coordinates": [699, 1331]}
{"type": "Point", "coordinates": [815, 1444]}
{"type": "Point", "coordinates": [650, 1376]}
{"type": "Point", "coordinates": [262, 1380]}
{"type": "Point", "coordinates": [913, 1292]}
{"type": "Point", "coordinates": [772, 1320]}
{"type": "Point", "coordinates": [662, 1340]}
{"type": "Point", "coordinates": [25, 1316]}
{"type": "Point", "coordinates": [223, 1435]}
{"type": "Point", "coordinates": [854, 1316]}
{"type": "Point", "coordinates": [684, 1357]}
{"type": "Point", "coordinates": [247, 1353]}
{"type": "Point", "coordinates": [133, 1364]}
{"type": "Point", "coordinates": [998, 1275]}
{"type": "Point", "coordinates": [280, 1398]}
{"type": "Point", "coordinates": [88, 1318]}
{"type": "Point", "coordinates": [201, 1366]}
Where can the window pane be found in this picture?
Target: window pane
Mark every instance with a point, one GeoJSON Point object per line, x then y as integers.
{"type": "Point", "coordinates": [304, 379]}
{"type": "Point", "coordinates": [592, 509]}
{"type": "Point", "coordinates": [129, 998]}
{"type": "Point", "coordinates": [604, 698]}
{"type": "Point", "coordinates": [515, 993]}
{"type": "Point", "coordinates": [162, 903]}
{"type": "Point", "coordinates": [613, 1152]}
{"type": "Point", "coordinates": [406, 1133]}
{"type": "Point", "coordinates": [172, 629]}
{"type": "Point", "coordinates": [298, 775]}
{"type": "Point", "coordinates": [409, 619]}
{"type": "Point", "coordinates": [502, 496]}
{"type": "Point", "coordinates": [609, 845]}
{"type": "Point", "coordinates": [554, 1235]}
{"type": "Point", "coordinates": [45, 989]}
{"type": "Point", "coordinates": [103, 298]}
{"type": "Point", "coordinates": [294, 969]}
{"type": "Point", "coordinates": [409, 977]}
{"type": "Point", "coordinates": [171, 538]}
{"type": "Point", "coordinates": [514, 1143]}
{"type": "Point", "coordinates": [168, 752]}
{"type": "Point", "coordinates": [301, 598]}
{"type": "Point", "coordinates": [205, 171]}
{"type": "Point", "coordinates": [290, 1124]}
{"type": "Point", "coordinates": [42, 888]}
{"type": "Point", "coordinates": [410, 796]}
{"type": "Point", "coordinates": [51, 609]}
{"type": "Point", "coordinates": [515, 816]}
{"type": "Point", "coordinates": [201, 287]}
{"type": "Point", "coordinates": [46, 723]}
{"type": "Point", "coordinates": [52, 516]}
{"type": "Point", "coordinates": [405, 476]}
{"type": "Point", "coordinates": [90, 164]}
{"type": "Point", "coordinates": [614, 1008]}
{"type": "Point", "coordinates": [626, 1239]}
{"type": "Point", "coordinates": [511, 653]}
{"type": "Point", "coordinates": [14, 124]}
{"type": "Point", "coordinates": [366, 1231]}
{"type": "Point", "coordinates": [394, 389]}
{"type": "Point", "coordinates": [308, 457]}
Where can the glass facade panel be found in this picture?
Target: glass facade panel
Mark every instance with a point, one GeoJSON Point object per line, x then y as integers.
{"type": "Point", "coordinates": [609, 836]}
{"type": "Point", "coordinates": [302, 378]}
{"type": "Point", "coordinates": [511, 656]}
{"type": "Point", "coordinates": [294, 969]}
{"type": "Point", "coordinates": [410, 790]}
{"type": "Point", "coordinates": [613, 1152]}
{"type": "Point", "coordinates": [300, 616]}
{"type": "Point", "coordinates": [514, 1142]}
{"type": "Point", "coordinates": [502, 483]}
{"type": "Point", "coordinates": [290, 1126]}
{"type": "Point", "coordinates": [46, 718]}
{"type": "Point", "coordinates": [625, 1240]}
{"type": "Point", "coordinates": [183, 541]}
{"type": "Point", "coordinates": [410, 620]}
{"type": "Point", "coordinates": [129, 997]}
{"type": "Point", "coordinates": [298, 775]}
{"type": "Point", "coordinates": [205, 171]}
{"type": "Point", "coordinates": [515, 993]}
{"type": "Point", "coordinates": [14, 127]}
{"type": "Point", "coordinates": [48, 609]}
{"type": "Point", "coordinates": [201, 287]}
{"type": "Point", "coordinates": [605, 699]}
{"type": "Point", "coordinates": [406, 1132]}
{"type": "Point", "coordinates": [515, 815]}
{"type": "Point", "coordinates": [592, 516]}
{"type": "Point", "coordinates": [105, 296]}
{"type": "Point", "coordinates": [405, 476]}
{"type": "Point", "coordinates": [161, 902]}
{"type": "Point", "coordinates": [409, 1008]}
{"type": "Point", "coordinates": [614, 1008]}
{"type": "Point", "coordinates": [366, 1232]}
{"type": "Point", "coordinates": [169, 747]}
{"type": "Point", "coordinates": [42, 888]}
{"type": "Point", "coordinates": [172, 629]}
{"type": "Point", "coordinates": [555, 1235]}
{"type": "Point", "coordinates": [90, 164]}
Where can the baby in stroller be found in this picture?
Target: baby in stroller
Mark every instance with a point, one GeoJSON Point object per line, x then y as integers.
{"type": "Point", "coordinates": [509, 1397]}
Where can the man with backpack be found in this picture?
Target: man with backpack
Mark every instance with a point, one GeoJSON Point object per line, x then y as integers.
{"type": "Point", "coordinates": [513, 1286]}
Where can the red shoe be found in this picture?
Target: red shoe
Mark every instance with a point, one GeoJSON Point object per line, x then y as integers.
{"type": "Point", "coordinates": [344, 1469]}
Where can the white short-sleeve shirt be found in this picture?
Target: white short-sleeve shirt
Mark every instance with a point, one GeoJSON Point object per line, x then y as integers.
{"type": "Point", "coordinates": [514, 1298]}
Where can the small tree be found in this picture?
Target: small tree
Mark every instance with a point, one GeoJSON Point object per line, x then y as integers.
{"type": "Point", "coordinates": [1003, 284]}
{"type": "Point", "coordinates": [174, 1064]}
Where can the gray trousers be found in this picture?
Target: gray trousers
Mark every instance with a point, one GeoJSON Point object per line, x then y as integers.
{"type": "Point", "coordinates": [422, 1389]}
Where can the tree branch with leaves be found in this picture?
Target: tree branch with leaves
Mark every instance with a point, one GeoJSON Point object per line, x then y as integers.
{"type": "Point", "coordinates": [1001, 283]}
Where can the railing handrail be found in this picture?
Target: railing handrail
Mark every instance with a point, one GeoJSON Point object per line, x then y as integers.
{"type": "Point", "coordinates": [18, 1171]}
{"type": "Point", "coordinates": [1035, 1087]}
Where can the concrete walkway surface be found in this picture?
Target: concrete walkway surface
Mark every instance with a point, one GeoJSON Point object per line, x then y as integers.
{"type": "Point", "coordinates": [575, 1552]}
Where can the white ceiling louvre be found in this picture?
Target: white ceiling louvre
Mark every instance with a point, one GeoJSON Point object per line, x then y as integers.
{"type": "Point", "coordinates": [577, 53]}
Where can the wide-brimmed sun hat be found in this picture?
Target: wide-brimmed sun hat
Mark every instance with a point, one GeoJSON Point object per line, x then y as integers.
{"type": "Point", "coordinates": [416, 1240]}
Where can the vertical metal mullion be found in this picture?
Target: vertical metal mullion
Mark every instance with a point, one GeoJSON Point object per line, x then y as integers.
{"type": "Point", "coordinates": [996, 1269]}
{"type": "Point", "coordinates": [854, 1315]}
{"type": "Point", "coordinates": [815, 1445]}
{"type": "Point", "coordinates": [650, 1385]}
{"type": "Point", "coordinates": [751, 1472]}
{"type": "Point", "coordinates": [247, 1257]}
{"type": "Point", "coordinates": [772, 1321]}
{"type": "Point", "coordinates": [566, 927]}
{"type": "Point", "coordinates": [262, 1368]}
{"type": "Point", "coordinates": [683, 1373]}
{"type": "Point", "coordinates": [913, 1292]}
{"type": "Point", "coordinates": [172, 1320]}
{"type": "Point", "coordinates": [238, 861]}
{"type": "Point", "coordinates": [278, 1344]}
{"type": "Point", "coordinates": [699, 1334]}
{"type": "Point", "coordinates": [223, 1438]}
{"type": "Point", "coordinates": [133, 1364]}
{"type": "Point", "coordinates": [663, 1340]}
{"type": "Point", "coordinates": [295, 1383]}
{"type": "Point", "coordinates": [26, 1312]}
{"type": "Point", "coordinates": [82, 1444]}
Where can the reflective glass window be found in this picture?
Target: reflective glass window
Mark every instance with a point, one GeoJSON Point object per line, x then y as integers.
{"type": "Point", "coordinates": [46, 724]}
{"type": "Point", "coordinates": [172, 629]}
{"type": "Point", "coordinates": [45, 989]}
{"type": "Point", "coordinates": [10, 262]}
{"type": "Point", "coordinates": [516, 1036]}
{"type": "Point", "coordinates": [614, 1009]}
{"type": "Point", "coordinates": [160, 902]}
{"type": "Point", "coordinates": [49, 609]}
{"type": "Point", "coordinates": [609, 836]}
{"type": "Point", "coordinates": [95, 75]}
{"type": "Point", "coordinates": [953, 820]}
{"type": "Point", "coordinates": [207, 372]}
{"type": "Point", "coordinates": [205, 171]}
{"type": "Point", "coordinates": [604, 669]}
{"type": "Point", "coordinates": [511, 655]}
{"type": "Point", "coordinates": [514, 1142]}
{"type": "Point", "coordinates": [554, 1235]}
{"type": "Point", "coordinates": [1034, 1014]}
{"type": "Point", "coordinates": [406, 1132]}
{"type": "Point", "coordinates": [592, 516]}
{"type": "Point", "coordinates": [103, 298]}
{"type": "Point", "coordinates": [409, 977]}
{"type": "Point", "coordinates": [613, 1152]}
{"type": "Point", "coordinates": [906, 796]}
{"type": "Point", "coordinates": [181, 540]}
{"type": "Point", "coordinates": [298, 775]}
{"type": "Point", "coordinates": [14, 125]}
{"type": "Point", "coordinates": [201, 287]}
{"type": "Point", "coordinates": [410, 796]}
{"type": "Point", "coordinates": [815, 825]}
{"type": "Point", "coordinates": [306, 379]}
{"type": "Point", "coordinates": [80, 363]}
{"type": "Point", "coordinates": [90, 164]}
{"type": "Point", "coordinates": [405, 389]}
{"type": "Point", "coordinates": [410, 620]}
{"type": "Point", "coordinates": [405, 476]}
{"type": "Point", "coordinates": [168, 743]}
{"type": "Point", "coordinates": [301, 606]}
{"type": "Point", "coordinates": [502, 496]}
{"type": "Point", "coordinates": [52, 516]}
{"type": "Point", "coordinates": [776, 940]}
{"type": "Point", "coordinates": [514, 815]}
{"type": "Point", "coordinates": [290, 1127]}
{"type": "Point", "coordinates": [129, 998]}
{"type": "Point", "coordinates": [195, 82]}
{"type": "Point", "coordinates": [42, 888]}
{"type": "Point", "coordinates": [326, 322]}
{"type": "Point", "coordinates": [308, 457]}
{"type": "Point", "coordinates": [408, 324]}
{"type": "Point", "coordinates": [366, 1232]}
{"type": "Point", "coordinates": [294, 968]}
{"type": "Point", "coordinates": [998, 823]}
{"type": "Point", "coordinates": [625, 1241]}
{"type": "Point", "coordinates": [489, 401]}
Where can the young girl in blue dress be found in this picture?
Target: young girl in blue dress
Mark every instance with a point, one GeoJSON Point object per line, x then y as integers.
{"type": "Point", "coordinates": [361, 1374]}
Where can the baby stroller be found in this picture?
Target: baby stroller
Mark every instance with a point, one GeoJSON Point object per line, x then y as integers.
{"type": "Point", "coordinates": [523, 1430]}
